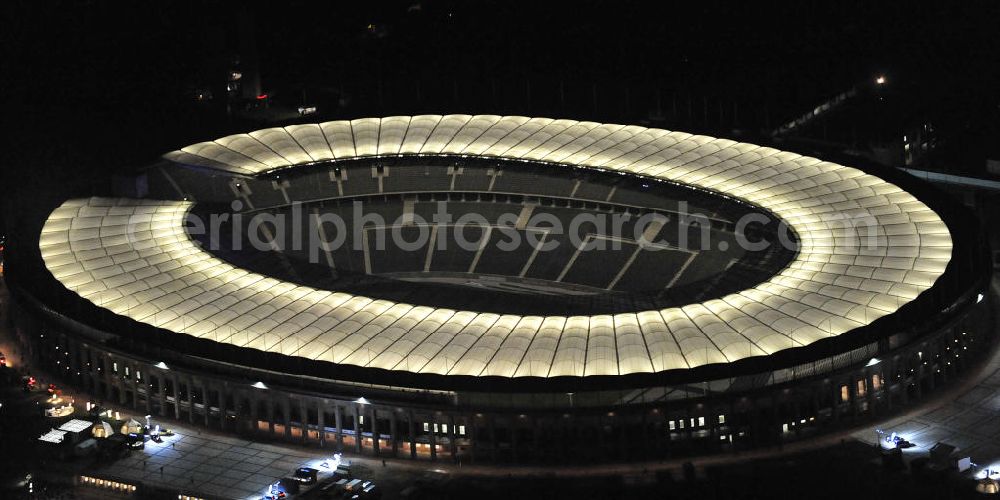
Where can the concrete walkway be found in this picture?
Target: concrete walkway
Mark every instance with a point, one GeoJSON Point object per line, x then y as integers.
{"type": "Point", "coordinates": [220, 466]}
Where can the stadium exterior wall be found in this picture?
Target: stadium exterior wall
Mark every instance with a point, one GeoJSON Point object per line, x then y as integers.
{"type": "Point", "coordinates": [627, 424]}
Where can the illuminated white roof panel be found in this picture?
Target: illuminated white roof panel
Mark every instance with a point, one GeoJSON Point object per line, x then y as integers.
{"type": "Point", "coordinates": [134, 258]}
{"type": "Point", "coordinates": [53, 436]}
{"type": "Point", "coordinates": [76, 425]}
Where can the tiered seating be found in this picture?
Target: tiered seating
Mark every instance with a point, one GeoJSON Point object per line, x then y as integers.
{"type": "Point", "coordinates": [417, 178]}
{"type": "Point", "coordinates": [594, 191]}
{"type": "Point", "coordinates": [513, 181]}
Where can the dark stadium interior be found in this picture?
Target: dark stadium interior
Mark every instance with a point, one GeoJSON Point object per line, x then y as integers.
{"type": "Point", "coordinates": [609, 279]}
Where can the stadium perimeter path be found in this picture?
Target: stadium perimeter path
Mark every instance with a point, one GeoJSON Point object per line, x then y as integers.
{"type": "Point", "coordinates": [203, 461]}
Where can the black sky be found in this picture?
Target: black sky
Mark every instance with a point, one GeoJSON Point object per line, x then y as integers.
{"type": "Point", "coordinates": [102, 86]}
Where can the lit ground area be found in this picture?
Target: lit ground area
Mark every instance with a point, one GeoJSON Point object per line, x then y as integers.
{"type": "Point", "coordinates": [220, 466]}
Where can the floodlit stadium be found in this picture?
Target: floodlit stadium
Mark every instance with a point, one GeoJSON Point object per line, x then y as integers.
{"type": "Point", "coordinates": [513, 353]}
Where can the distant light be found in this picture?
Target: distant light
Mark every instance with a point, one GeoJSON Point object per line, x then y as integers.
{"type": "Point", "coordinates": [873, 362]}
{"type": "Point", "coordinates": [362, 401]}
{"type": "Point", "coordinates": [979, 298]}
{"type": "Point", "coordinates": [262, 97]}
{"type": "Point", "coordinates": [880, 80]}
{"type": "Point", "coordinates": [260, 385]}
{"type": "Point", "coordinates": [161, 365]}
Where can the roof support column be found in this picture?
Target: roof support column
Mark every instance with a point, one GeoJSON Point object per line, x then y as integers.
{"type": "Point", "coordinates": [254, 412]}
{"type": "Point", "coordinates": [221, 391]}
{"type": "Point", "coordinates": [135, 387]}
{"type": "Point", "coordinates": [287, 417]}
{"type": "Point", "coordinates": [357, 429]}
{"type": "Point", "coordinates": [393, 433]}
{"type": "Point", "coordinates": [413, 435]}
{"type": "Point", "coordinates": [206, 403]}
{"type": "Point", "coordinates": [190, 399]}
{"type": "Point", "coordinates": [162, 379]}
{"type": "Point", "coordinates": [321, 422]}
{"type": "Point", "coordinates": [270, 415]}
{"type": "Point", "coordinates": [514, 427]}
{"type": "Point", "coordinates": [870, 392]}
{"type": "Point", "coordinates": [94, 374]}
{"type": "Point", "coordinates": [121, 382]}
{"type": "Point", "coordinates": [339, 423]}
{"type": "Point", "coordinates": [470, 433]}
{"type": "Point", "coordinates": [304, 416]}
{"type": "Point", "coordinates": [175, 380]}
{"type": "Point", "coordinates": [375, 434]}
{"type": "Point", "coordinates": [493, 437]}
{"type": "Point", "coordinates": [433, 438]}
{"type": "Point", "coordinates": [451, 438]}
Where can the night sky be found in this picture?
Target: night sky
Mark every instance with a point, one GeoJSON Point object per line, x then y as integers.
{"type": "Point", "coordinates": [97, 87]}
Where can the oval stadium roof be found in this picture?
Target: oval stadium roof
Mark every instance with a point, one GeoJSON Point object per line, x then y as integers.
{"type": "Point", "coordinates": [134, 257]}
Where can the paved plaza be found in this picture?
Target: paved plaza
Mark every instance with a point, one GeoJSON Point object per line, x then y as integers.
{"type": "Point", "coordinates": [214, 465]}
{"type": "Point", "coordinates": [211, 464]}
